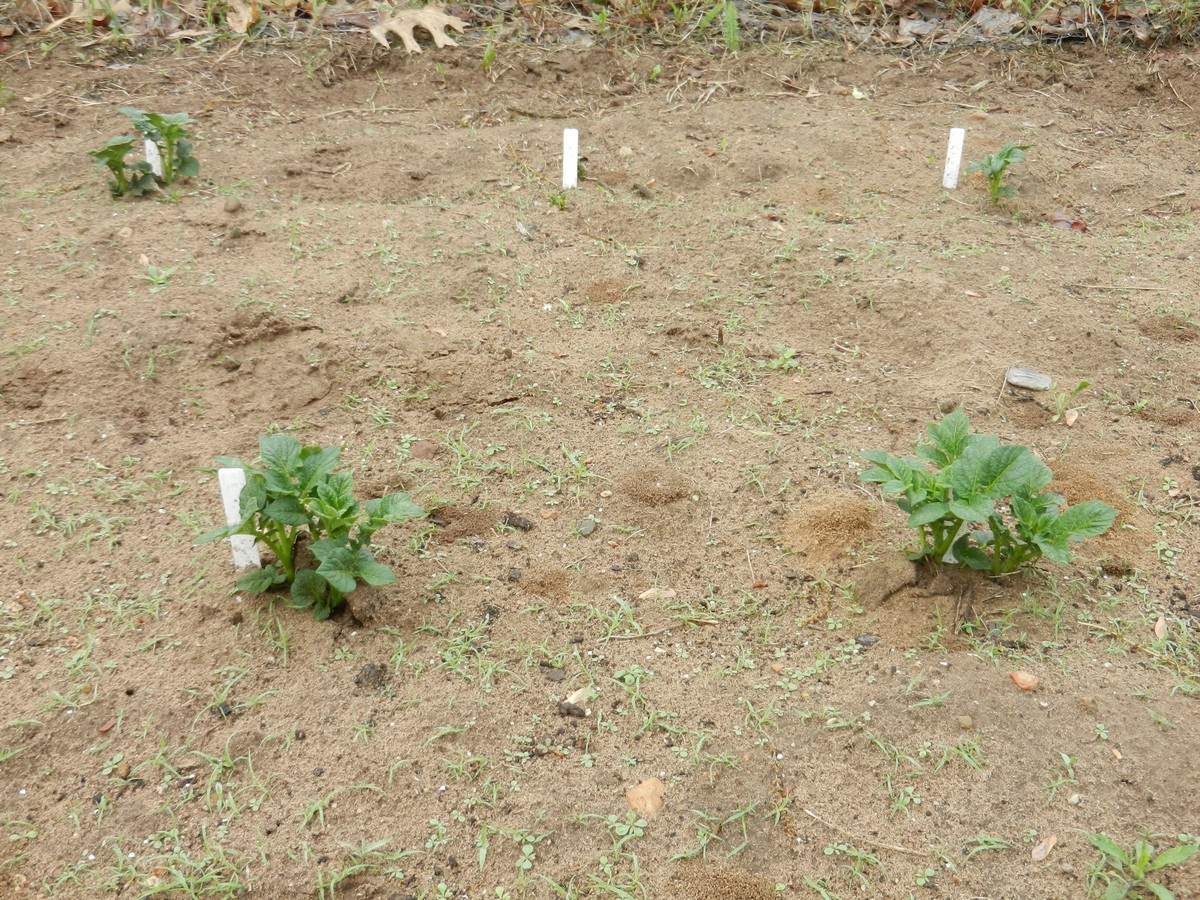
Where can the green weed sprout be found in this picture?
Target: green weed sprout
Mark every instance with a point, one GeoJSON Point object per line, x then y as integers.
{"type": "Point", "coordinates": [169, 132]}
{"type": "Point", "coordinates": [135, 178]}
{"type": "Point", "coordinates": [296, 493]}
{"type": "Point", "coordinates": [1128, 874]}
{"type": "Point", "coordinates": [983, 503]}
{"type": "Point", "coordinates": [994, 165]}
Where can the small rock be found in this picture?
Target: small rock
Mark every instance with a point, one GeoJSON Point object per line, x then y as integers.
{"type": "Point", "coordinates": [556, 675]}
{"type": "Point", "coordinates": [606, 494]}
{"type": "Point", "coordinates": [123, 769]}
{"type": "Point", "coordinates": [548, 514]}
{"type": "Point", "coordinates": [1075, 800]}
{"type": "Point", "coordinates": [1030, 379]}
{"type": "Point", "coordinates": [224, 710]}
{"type": "Point", "coordinates": [867, 640]}
{"type": "Point", "coordinates": [519, 522]}
{"type": "Point", "coordinates": [948, 406]}
{"type": "Point", "coordinates": [514, 575]}
{"type": "Point", "coordinates": [233, 205]}
{"type": "Point", "coordinates": [776, 667]}
{"type": "Point", "coordinates": [966, 723]}
{"type": "Point", "coordinates": [125, 233]}
{"type": "Point", "coordinates": [646, 799]}
{"type": "Point", "coordinates": [572, 710]}
{"type": "Point", "coordinates": [107, 726]}
{"type": "Point", "coordinates": [371, 675]}
{"type": "Point", "coordinates": [587, 526]}
{"type": "Point", "coordinates": [625, 152]}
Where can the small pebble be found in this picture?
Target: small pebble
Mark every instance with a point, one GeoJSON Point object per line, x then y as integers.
{"type": "Point", "coordinates": [625, 152]}
{"type": "Point", "coordinates": [232, 205]}
{"type": "Point", "coordinates": [966, 723]}
{"type": "Point", "coordinates": [867, 640]}
{"type": "Point", "coordinates": [556, 675]}
{"type": "Point", "coordinates": [1075, 800]}
{"type": "Point", "coordinates": [587, 526]}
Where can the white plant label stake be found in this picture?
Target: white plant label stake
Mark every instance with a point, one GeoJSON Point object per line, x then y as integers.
{"type": "Point", "coordinates": [953, 158]}
{"type": "Point", "coordinates": [570, 158]}
{"type": "Point", "coordinates": [153, 157]}
{"type": "Point", "coordinates": [245, 554]}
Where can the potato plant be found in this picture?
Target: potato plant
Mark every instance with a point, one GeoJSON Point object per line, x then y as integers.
{"type": "Point", "coordinates": [981, 503]}
{"type": "Point", "coordinates": [295, 494]}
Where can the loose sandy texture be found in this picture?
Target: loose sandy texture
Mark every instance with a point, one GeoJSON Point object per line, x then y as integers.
{"type": "Point", "coordinates": [759, 277]}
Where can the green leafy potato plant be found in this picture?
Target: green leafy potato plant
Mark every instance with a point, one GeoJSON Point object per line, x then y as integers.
{"type": "Point", "coordinates": [994, 165]}
{"type": "Point", "coordinates": [982, 503]}
{"type": "Point", "coordinates": [297, 494]}
{"type": "Point", "coordinates": [169, 132]}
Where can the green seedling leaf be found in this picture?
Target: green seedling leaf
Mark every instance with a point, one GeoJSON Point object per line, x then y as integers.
{"type": "Point", "coordinates": [1086, 520]}
{"type": "Point", "coordinates": [308, 589]}
{"type": "Point", "coordinates": [261, 580]}
{"type": "Point", "coordinates": [1173, 856]}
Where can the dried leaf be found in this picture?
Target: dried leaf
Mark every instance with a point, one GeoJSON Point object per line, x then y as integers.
{"type": "Point", "coordinates": [1070, 417]}
{"type": "Point", "coordinates": [1160, 627]}
{"type": "Point", "coordinates": [430, 18]}
{"type": "Point", "coordinates": [646, 799]}
{"type": "Point", "coordinates": [1026, 681]}
{"type": "Point", "coordinates": [1066, 222]}
{"type": "Point", "coordinates": [657, 594]}
{"type": "Point", "coordinates": [1042, 850]}
{"type": "Point", "coordinates": [242, 15]}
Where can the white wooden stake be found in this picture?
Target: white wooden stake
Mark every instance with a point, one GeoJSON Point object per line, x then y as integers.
{"type": "Point", "coordinates": [570, 158]}
{"type": "Point", "coordinates": [245, 554]}
{"type": "Point", "coordinates": [153, 157]}
{"type": "Point", "coordinates": [953, 158]}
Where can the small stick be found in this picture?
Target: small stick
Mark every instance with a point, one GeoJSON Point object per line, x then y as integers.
{"type": "Point", "coordinates": [864, 840]}
{"type": "Point", "coordinates": [1114, 287]}
{"type": "Point", "coordinates": [1177, 97]}
{"type": "Point", "coordinates": [630, 637]}
{"type": "Point", "coordinates": [753, 578]}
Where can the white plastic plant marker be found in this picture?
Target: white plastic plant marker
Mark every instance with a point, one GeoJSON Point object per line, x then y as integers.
{"type": "Point", "coordinates": [953, 158]}
{"type": "Point", "coordinates": [570, 158]}
{"type": "Point", "coordinates": [153, 157]}
{"type": "Point", "coordinates": [245, 554]}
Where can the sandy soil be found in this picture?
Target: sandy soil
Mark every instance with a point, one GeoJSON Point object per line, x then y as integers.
{"type": "Point", "coordinates": [759, 277]}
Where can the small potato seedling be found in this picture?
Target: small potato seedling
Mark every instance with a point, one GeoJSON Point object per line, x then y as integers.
{"type": "Point", "coordinates": [994, 165]}
{"type": "Point", "coordinates": [977, 481]}
{"type": "Point", "coordinates": [298, 494]}
{"type": "Point", "coordinates": [169, 134]}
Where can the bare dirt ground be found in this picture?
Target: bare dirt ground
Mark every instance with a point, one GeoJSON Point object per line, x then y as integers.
{"type": "Point", "coordinates": [759, 277]}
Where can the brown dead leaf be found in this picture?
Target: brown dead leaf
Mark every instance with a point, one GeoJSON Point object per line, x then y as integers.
{"type": "Point", "coordinates": [242, 15]}
{"type": "Point", "coordinates": [1160, 627]}
{"type": "Point", "coordinates": [1042, 850]}
{"type": "Point", "coordinates": [646, 799]}
{"type": "Point", "coordinates": [430, 18]}
{"type": "Point", "coordinates": [1066, 222]}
